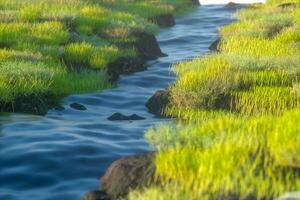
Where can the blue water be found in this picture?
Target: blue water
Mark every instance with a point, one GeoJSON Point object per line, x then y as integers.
{"type": "Point", "coordinates": [60, 156]}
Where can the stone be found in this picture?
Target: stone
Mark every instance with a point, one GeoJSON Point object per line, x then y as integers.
{"type": "Point", "coordinates": [78, 106]}
{"type": "Point", "coordinates": [59, 108]}
{"type": "Point", "coordinates": [215, 45]}
{"type": "Point", "coordinates": [158, 102]}
{"type": "Point", "coordinates": [147, 46]}
{"type": "Point", "coordinates": [121, 117]}
{"type": "Point", "coordinates": [128, 173]}
{"type": "Point", "coordinates": [125, 65]}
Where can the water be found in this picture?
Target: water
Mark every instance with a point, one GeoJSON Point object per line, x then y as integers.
{"type": "Point", "coordinates": [61, 155]}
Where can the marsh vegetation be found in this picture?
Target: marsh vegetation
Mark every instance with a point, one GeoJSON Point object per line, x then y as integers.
{"type": "Point", "coordinates": [237, 131]}
{"type": "Point", "coordinates": [52, 48]}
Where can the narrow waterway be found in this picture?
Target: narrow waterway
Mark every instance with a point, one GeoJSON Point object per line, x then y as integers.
{"type": "Point", "coordinates": [61, 155]}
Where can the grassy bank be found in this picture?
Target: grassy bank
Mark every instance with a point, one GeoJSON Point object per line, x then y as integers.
{"type": "Point", "coordinates": [237, 134]}
{"type": "Point", "coordinates": [52, 48]}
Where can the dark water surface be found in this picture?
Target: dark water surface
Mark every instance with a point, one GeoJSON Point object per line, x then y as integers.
{"type": "Point", "coordinates": [60, 156]}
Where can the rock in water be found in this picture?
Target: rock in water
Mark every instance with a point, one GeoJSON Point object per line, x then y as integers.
{"type": "Point", "coordinates": [125, 65]}
{"type": "Point", "coordinates": [147, 46]}
{"type": "Point", "coordinates": [59, 108]}
{"type": "Point", "coordinates": [136, 117]}
{"type": "Point", "coordinates": [158, 102]}
{"type": "Point", "coordinates": [121, 117]}
{"type": "Point", "coordinates": [128, 173]}
{"type": "Point", "coordinates": [78, 106]}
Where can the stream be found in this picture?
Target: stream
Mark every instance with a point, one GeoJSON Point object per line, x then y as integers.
{"type": "Point", "coordinates": [61, 156]}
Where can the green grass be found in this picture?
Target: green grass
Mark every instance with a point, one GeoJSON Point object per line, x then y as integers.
{"type": "Point", "coordinates": [237, 128]}
{"type": "Point", "coordinates": [226, 156]}
{"type": "Point", "coordinates": [60, 47]}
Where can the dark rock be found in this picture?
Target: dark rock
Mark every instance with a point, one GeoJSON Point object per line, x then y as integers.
{"type": "Point", "coordinates": [121, 117]}
{"type": "Point", "coordinates": [195, 2]}
{"type": "Point", "coordinates": [128, 173]}
{"type": "Point", "coordinates": [232, 5]}
{"type": "Point", "coordinates": [136, 117]}
{"type": "Point", "coordinates": [95, 195]}
{"type": "Point", "coordinates": [215, 45]}
{"type": "Point", "coordinates": [59, 108]}
{"type": "Point", "coordinates": [78, 106]}
{"type": "Point", "coordinates": [158, 102]}
{"type": "Point", "coordinates": [163, 20]}
{"type": "Point", "coordinates": [125, 65]}
{"type": "Point", "coordinates": [147, 46]}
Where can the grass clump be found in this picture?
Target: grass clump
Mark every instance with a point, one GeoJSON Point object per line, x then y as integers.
{"type": "Point", "coordinates": [51, 33]}
{"type": "Point", "coordinates": [205, 87]}
{"type": "Point", "coordinates": [78, 52]}
{"type": "Point", "coordinates": [30, 13]}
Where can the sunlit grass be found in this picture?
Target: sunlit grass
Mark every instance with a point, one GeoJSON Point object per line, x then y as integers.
{"type": "Point", "coordinates": [264, 100]}
{"type": "Point", "coordinates": [258, 47]}
{"type": "Point", "coordinates": [237, 131]}
{"type": "Point", "coordinates": [59, 47]}
{"type": "Point", "coordinates": [50, 33]}
{"type": "Point", "coordinates": [226, 156]}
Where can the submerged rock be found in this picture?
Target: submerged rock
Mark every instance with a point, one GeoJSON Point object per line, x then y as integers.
{"type": "Point", "coordinates": [59, 108]}
{"type": "Point", "coordinates": [121, 117]}
{"type": "Point", "coordinates": [158, 102]}
{"type": "Point", "coordinates": [128, 173]}
{"type": "Point", "coordinates": [78, 106]}
{"type": "Point", "coordinates": [164, 20]}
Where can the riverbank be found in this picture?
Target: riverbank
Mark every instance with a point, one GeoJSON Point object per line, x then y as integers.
{"type": "Point", "coordinates": [237, 133]}
{"type": "Point", "coordinates": [52, 49]}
